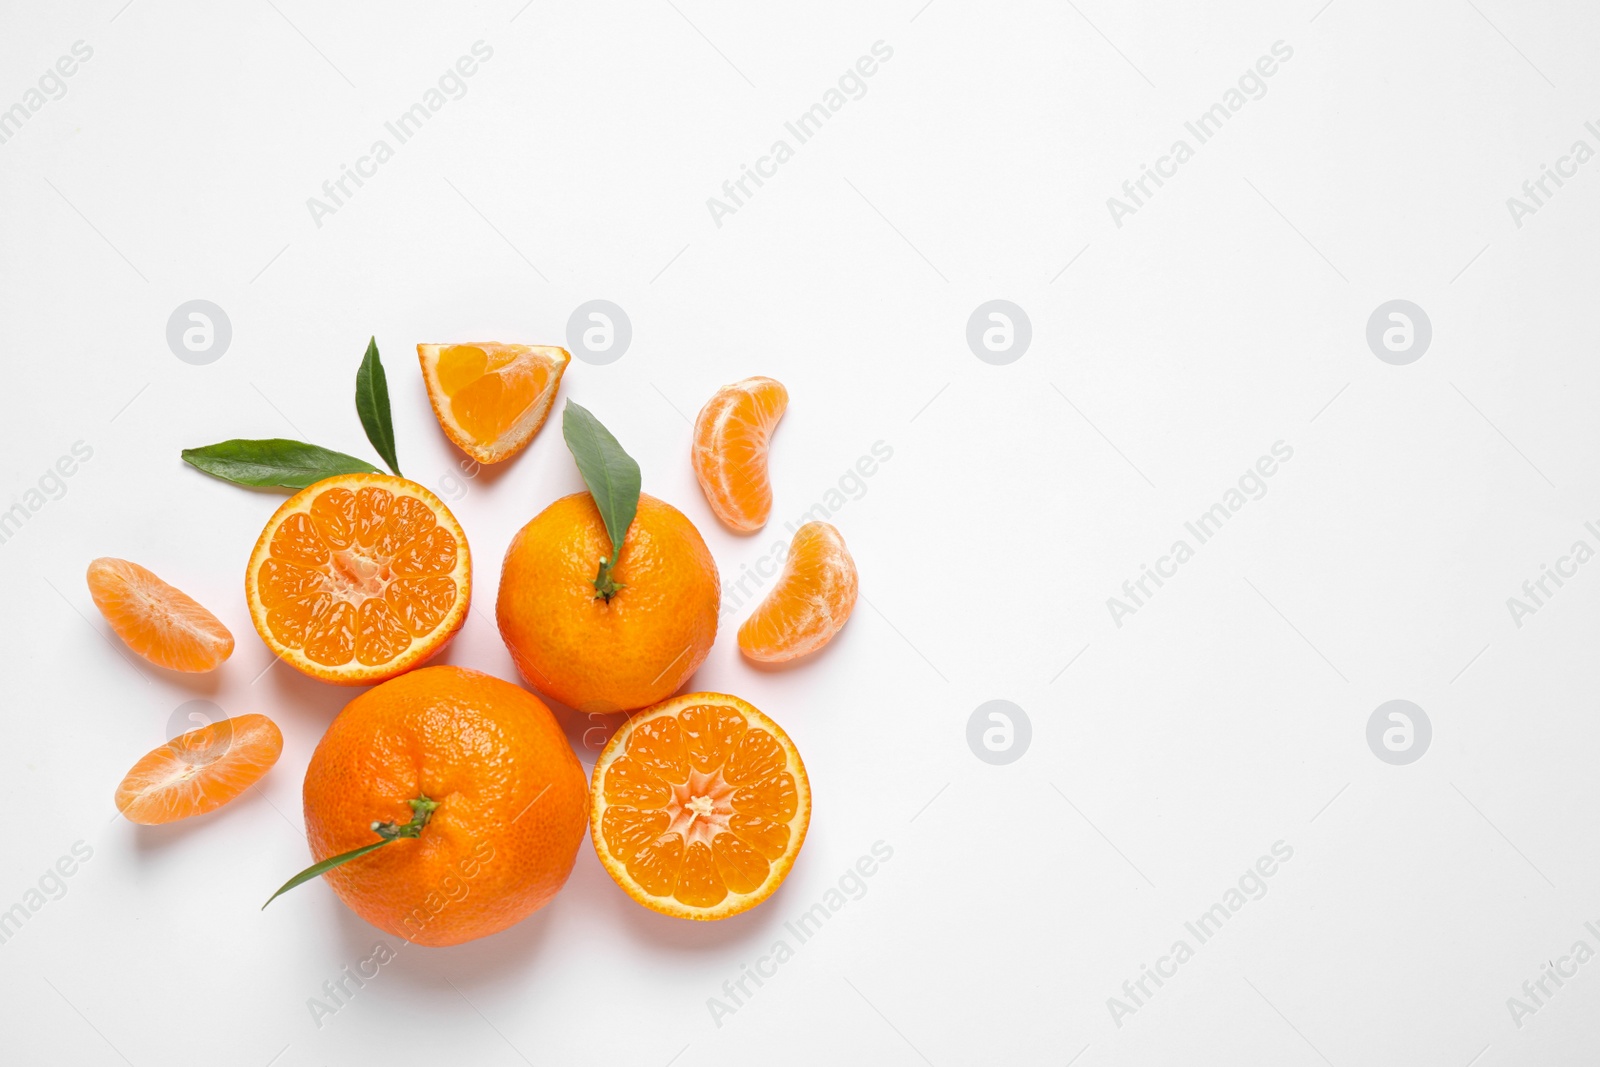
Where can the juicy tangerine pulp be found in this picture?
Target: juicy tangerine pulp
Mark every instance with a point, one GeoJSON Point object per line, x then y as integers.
{"type": "Point", "coordinates": [361, 575]}
{"type": "Point", "coordinates": [732, 435]}
{"type": "Point", "coordinates": [490, 388]}
{"type": "Point", "coordinates": [812, 600]}
{"type": "Point", "coordinates": [699, 804]}
{"type": "Point", "coordinates": [158, 621]}
{"type": "Point", "coordinates": [200, 771]}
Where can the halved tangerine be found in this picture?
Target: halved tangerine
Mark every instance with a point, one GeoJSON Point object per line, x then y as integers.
{"type": "Point", "coordinates": [699, 806]}
{"type": "Point", "coordinates": [491, 398]}
{"type": "Point", "coordinates": [201, 770]}
{"type": "Point", "coordinates": [358, 578]}
{"type": "Point", "coordinates": [731, 436]}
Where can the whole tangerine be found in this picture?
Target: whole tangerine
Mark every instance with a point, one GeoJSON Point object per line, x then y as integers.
{"type": "Point", "coordinates": [617, 653]}
{"type": "Point", "coordinates": [484, 767]}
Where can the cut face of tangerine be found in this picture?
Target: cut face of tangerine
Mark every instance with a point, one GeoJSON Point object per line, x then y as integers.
{"type": "Point", "coordinates": [491, 398]}
{"type": "Point", "coordinates": [200, 771]}
{"type": "Point", "coordinates": [699, 806]}
{"type": "Point", "coordinates": [811, 601]}
{"type": "Point", "coordinates": [358, 578]}
{"type": "Point", "coordinates": [158, 621]}
{"type": "Point", "coordinates": [731, 436]}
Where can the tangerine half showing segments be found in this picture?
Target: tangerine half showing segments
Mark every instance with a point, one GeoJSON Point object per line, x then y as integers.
{"type": "Point", "coordinates": [600, 654]}
{"type": "Point", "coordinates": [358, 578]}
{"type": "Point", "coordinates": [699, 806]}
{"type": "Point", "coordinates": [502, 799]}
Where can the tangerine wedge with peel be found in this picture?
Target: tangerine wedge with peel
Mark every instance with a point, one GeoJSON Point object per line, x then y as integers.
{"type": "Point", "coordinates": [160, 622]}
{"type": "Point", "coordinates": [699, 806]}
{"type": "Point", "coordinates": [731, 438]}
{"type": "Point", "coordinates": [358, 578]}
{"type": "Point", "coordinates": [483, 773]}
{"type": "Point", "coordinates": [491, 398]}
{"type": "Point", "coordinates": [200, 771]}
{"type": "Point", "coordinates": [811, 602]}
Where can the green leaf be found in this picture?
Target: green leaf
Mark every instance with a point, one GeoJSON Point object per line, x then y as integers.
{"type": "Point", "coordinates": [613, 480]}
{"type": "Point", "coordinates": [372, 404]}
{"type": "Point", "coordinates": [273, 462]}
{"type": "Point", "coordinates": [317, 869]}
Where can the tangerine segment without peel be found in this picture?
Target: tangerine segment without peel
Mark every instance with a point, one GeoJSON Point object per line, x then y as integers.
{"type": "Point", "coordinates": [699, 806]}
{"type": "Point", "coordinates": [199, 771]}
{"type": "Point", "coordinates": [358, 578]}
{"type": "Point", "coordinates": [812, 600]}
{"type": "Point", "coordinates": [732, 435]}
{"type": "Point", "coordinates": [160, 622]}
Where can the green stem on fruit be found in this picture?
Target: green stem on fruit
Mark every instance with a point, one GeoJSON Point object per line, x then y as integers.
{"type": "Point", "coordinates": [422, 809]}
{"type": "Point", "coordinates": [421, 812]}
{"type": "Point", "coordinates": [606, 586]}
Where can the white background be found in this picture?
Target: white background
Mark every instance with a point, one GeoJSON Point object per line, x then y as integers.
{"type": "Point", "coordinates": [1168, 354]}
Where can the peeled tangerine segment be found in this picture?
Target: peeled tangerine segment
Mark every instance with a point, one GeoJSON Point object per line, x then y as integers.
{"type": "Point", "coordinates": [158, 621]}
{"type": "Point", "coordinates": [811, 601]}
{"type": "Point", "coordinates": [731, 438]}
{"type": "Point", "coordinates": [491, 398]}
{"type": "Point", "coordinates": [200, 771]}
{"type": "Point", "coordinates": [699, 802]}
